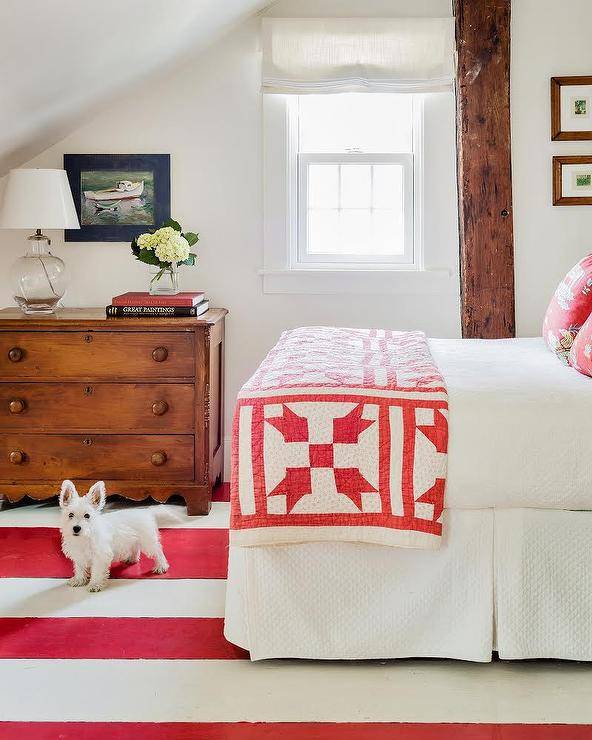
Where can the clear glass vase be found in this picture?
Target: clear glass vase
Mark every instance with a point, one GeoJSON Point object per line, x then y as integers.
{"type": "Point", "coordinates": [164, 280]}
{"type": "Point", "coordinates": [38, 277]}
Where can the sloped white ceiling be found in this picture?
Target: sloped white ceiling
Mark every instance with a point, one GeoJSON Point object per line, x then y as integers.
{"type": "Point", "coordinates": [60, 59]}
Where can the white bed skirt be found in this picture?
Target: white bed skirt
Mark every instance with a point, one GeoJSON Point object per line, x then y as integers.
{"type": "Point", "coordinates": [532, 569]}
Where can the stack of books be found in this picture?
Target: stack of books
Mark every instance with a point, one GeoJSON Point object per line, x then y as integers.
{"type": "Point", "coordinates": [158, 306]}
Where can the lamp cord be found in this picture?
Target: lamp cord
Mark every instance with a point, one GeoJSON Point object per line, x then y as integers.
{"type": "Point", "coordinates": [47, 275]}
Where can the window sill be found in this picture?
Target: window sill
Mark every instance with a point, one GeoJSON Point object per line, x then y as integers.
{"type": "Point", "coordinates": [360, 282]}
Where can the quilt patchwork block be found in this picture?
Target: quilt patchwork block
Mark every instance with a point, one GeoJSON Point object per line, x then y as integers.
{"type": "Point", "coordinates": [346, 441]}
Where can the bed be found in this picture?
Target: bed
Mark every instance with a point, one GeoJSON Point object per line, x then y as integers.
{"type": "Point", "coordinates": [513, 573]}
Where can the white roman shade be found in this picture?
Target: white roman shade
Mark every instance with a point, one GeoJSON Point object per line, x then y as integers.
{"type": "Point", "coordinates": [326, 55]}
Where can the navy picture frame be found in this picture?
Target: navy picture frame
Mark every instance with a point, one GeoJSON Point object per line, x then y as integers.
{"type": "Point", "coordinates": [160, 164]}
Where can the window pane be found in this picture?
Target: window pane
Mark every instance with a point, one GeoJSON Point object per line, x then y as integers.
{"type": "Point", "coordinates": [388, 232]}
{"type": "Point", "coordinates": [323, 185]}
{"type": "Point", "coordinates": [356, 121]}
{"type": "Point", "coordinates": [323, 232]}
{"type": "Point", "coordinates": [355, 209]}
{"type": "Point", "coordinates": [387, 190]}
{"type": "Point", "coordinates": [356, 186]}
{"type": "Point", "coordinates": [355, 230]}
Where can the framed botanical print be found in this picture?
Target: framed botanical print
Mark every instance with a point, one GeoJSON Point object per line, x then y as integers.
{"type": "Point", "coordinates": [118, 196]}
{"type": "Point", "coordinates": [572, 181]}
{"type": "Point", "coordinates": [571, 108]}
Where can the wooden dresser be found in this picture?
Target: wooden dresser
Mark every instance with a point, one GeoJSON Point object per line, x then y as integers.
{"type": "Point", "coordinates": [135, 402]}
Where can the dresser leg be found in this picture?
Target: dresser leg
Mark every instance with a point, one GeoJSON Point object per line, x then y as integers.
{"type": "Point", "coordinates": [199, 502]}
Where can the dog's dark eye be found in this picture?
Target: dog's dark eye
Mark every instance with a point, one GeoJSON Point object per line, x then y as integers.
{"type": "Point", "coordinates": [87, 516]}
{"type": "Point", "coordinates": [70, 515]}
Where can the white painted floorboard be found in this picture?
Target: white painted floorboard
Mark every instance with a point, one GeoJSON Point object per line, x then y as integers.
{"type": "Point", "coordinates": [210, 691]}
{"type": "Point", "coordinates": [49, 597]}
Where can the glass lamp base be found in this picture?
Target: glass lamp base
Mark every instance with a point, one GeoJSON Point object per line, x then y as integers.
{"type": "Point", "coordinates": [38, 278]}
{"type": "Point", "coordinates": [36, 308]}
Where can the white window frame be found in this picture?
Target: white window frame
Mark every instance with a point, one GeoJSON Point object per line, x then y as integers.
{"type": "Point", "coordinates": [354, 261]}
{"type": "Point", "coordinates": [282, 271]}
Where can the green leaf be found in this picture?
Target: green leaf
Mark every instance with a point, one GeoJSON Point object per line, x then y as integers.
{"type": "Point", "coordinates": [173, 224]}
{"type": "Point", "coordinates": [191, 237]}
{"type": "Point", "coordinates": [148, 257]}
{"type": "Point", "coordinates": [190, 260]}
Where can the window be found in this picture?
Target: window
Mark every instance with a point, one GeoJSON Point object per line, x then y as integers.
{"type": "Point", "coordinates": [348, 205]}
{"type": "Point", "coordinates": [354, 170]}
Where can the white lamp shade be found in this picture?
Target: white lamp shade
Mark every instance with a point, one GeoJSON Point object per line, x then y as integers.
{"type": "Point", "coordinates": [38, 199]}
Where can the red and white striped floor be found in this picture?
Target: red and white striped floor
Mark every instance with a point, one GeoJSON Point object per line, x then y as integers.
{"type": "Point", "coordinates": [146, 658]}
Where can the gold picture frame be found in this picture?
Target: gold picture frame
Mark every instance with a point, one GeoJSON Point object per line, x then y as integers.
{"type": "Point", "coordinates": [580, 112]}
{"type": "Point", "coordinates": [572, 175]}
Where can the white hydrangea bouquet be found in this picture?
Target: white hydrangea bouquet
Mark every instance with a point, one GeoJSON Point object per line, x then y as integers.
{"type": "Point", "coordinates": [164, 250]}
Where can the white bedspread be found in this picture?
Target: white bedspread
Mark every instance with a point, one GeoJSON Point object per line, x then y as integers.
{"type": "Point", "coordinates": [520, 426]}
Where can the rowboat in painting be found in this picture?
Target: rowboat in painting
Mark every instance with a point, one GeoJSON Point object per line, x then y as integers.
{"type": "Point", "coordinates": [123, 189]}
{"type": "Point", "coordinates": [102, 206]}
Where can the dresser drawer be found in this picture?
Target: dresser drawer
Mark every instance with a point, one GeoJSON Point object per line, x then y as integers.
{"type": "Point", "coordinates": [96, 355]}
{"type": "Point", "coordinates": [30, 457]}
{"type": "Point", "coordinates": [149, 408]}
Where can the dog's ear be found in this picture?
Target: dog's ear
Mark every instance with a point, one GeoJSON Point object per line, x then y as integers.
{"type": "Point", "coordinates": [67, 493]}
{"type": "Point", "coordinates": [97, 495]}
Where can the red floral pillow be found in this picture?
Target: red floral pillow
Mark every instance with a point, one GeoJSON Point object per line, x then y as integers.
{"type": "Point", "coordinates": [580, 355]}
{"type": "Point", "coordinates": [569, 308]}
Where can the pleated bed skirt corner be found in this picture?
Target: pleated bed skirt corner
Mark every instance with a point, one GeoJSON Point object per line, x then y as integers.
{"type": "Point", "coordinates": [518, 581]}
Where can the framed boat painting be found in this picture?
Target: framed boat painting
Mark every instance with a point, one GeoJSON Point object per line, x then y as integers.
{"type": "Point", "coordinates": [118, 196]}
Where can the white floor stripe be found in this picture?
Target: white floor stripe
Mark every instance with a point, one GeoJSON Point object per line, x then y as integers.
{"type": "Point", "coordinates": [46, 597]}
{"type": "Point", "coordinates": [179, 690]}
{"type": "Point", "coordinates": [47, 515]}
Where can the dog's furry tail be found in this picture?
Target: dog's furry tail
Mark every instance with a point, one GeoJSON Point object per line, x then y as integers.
{"type": "Point", "coordinates": [166, 515]}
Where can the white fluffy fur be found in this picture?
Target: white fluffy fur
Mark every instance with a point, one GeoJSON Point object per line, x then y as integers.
{"type": "Point", "coordinates": [93, 540]}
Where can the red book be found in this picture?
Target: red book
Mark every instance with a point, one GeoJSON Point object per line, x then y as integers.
{"type": "Point", "coordinates": [145, 299]}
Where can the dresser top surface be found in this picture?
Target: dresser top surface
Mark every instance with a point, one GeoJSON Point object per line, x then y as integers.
{"type": "Point", "coordinates": [12, 318]}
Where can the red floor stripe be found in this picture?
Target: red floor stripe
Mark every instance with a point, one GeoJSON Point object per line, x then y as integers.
{"type": "Point", "coordinates": [125, 638]}
{"type": "Point", "coordinates": [35, 552]}
{"type": "Point", "coordinates": [286, 731]}
{"type": "Point", "coordinates": [221, 492]}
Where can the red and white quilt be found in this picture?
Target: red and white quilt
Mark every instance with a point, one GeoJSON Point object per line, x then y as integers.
{"type": "Point", "coordinates": [341, 434]}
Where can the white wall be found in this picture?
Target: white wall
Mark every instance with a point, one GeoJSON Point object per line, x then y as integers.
{"type": "Point", "coordinates": [207, 114]}
{"type": "Point", "coordinates": [98, 48]}
{"type": "Point", "coordinates": [548, 40]}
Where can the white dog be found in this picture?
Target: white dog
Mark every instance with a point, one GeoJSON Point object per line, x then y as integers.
{"type": "Point", "coordinates": [93, 540]}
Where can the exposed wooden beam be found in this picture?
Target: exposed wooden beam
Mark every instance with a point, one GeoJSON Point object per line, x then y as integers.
{"type": "Point", "coordinates": [484, 168]}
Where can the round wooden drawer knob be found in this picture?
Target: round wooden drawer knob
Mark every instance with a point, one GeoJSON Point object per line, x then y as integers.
{"type": "Point", "coordinates": [15, 354]}
{"type": "Point", "coordinates": [17, 457]}
{"type": "Point", "coordinates": [159, 408]}
{"type": "Point", "coordinates": [158, 458]}
{"type": "Point", "coordinates": [16, 406]}
{"type": "Point", "coordinates": [160, 354]}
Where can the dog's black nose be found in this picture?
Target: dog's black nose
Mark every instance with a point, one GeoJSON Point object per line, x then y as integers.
{"type": "Point", "coordinates": [76, 528]}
